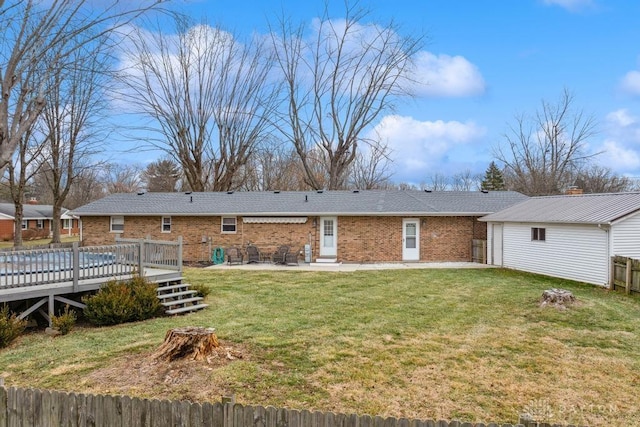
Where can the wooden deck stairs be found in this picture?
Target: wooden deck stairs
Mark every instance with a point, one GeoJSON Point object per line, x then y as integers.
{"type": "Point", "coordinates": [177, 298]}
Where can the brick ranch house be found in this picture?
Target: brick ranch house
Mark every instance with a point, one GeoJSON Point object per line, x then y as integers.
{"type": "Point", "coordinates": [36, 222]}
{"type": "Point", "coordinates": [348, 226]}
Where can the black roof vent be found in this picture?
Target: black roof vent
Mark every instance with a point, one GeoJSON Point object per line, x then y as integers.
{"type": "Point", "coordinates": [187, 192]}
{"type": "Point", "coordinates": [140, 193]}
{"type": "Point", "coordinates": [485, 191]}
{"type": "Point", "coordinates": [320, 191]}
{"type": "Point", "coordinates": [427, 191]}
{"type": "Point", "coordinates": [356, 191]}
{"type": "Point", "coordinates": [276, 192]}
{"type": "Point", "coordinates": [229, 192]}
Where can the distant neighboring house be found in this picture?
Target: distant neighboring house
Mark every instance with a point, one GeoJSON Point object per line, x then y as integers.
{"type": "Point", "coordinates": [36, 219]}
{"type": "Point", "coordinates": [570, 236]}
{"type": "Point", "coordinates": [349, 226]}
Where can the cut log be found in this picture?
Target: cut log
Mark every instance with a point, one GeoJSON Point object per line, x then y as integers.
{"type": "Point", "coordinates": [191, 342]}
{"type": "Point", "coordinates": [557, 297]}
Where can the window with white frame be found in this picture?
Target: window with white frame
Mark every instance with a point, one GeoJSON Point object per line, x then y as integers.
{"type": "Point", "coordinates": [538, 234]}
{"type": "Point", "coordinates": [40, 224]}
{"type": "Point", "coordinates": [67, 224]}
{"type": "Point", "coordinates": [117, 224]}
{"type": "Point", "coordinates": [25, 224]}
{"type": "Point", "coordinates": [166, 224]}
{"type": "Point", "coordinates": [228, 224]}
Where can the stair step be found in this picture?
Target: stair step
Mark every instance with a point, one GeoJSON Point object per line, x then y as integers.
{"type": "Point", "coordinates": [175, 280]}
{"type": "Point", "coordinates": [187, 309]}
{"type": "Point", "coordinates": [177, 294]}
{"type": "Point", "coordinates": [171, 287]}
{"type": "Point", "coordinates": [181, 301]}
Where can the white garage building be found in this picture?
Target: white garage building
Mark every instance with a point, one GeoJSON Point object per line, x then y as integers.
{"type": "Point", "coordinates": [571, 237]}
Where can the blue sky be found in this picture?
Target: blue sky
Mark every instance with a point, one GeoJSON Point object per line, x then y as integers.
{"type": "Point", "coordinates": [486, 61]}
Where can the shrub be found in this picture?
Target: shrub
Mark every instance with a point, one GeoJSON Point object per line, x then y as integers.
{"type": "Point", "coordinates": [202, 290]}
{"type": "Point", "coordinates": [10, 326]}
{"type": "Point", "coordinates": [65, 321]}
{"type": "Point", "coordinates": [121, 302]}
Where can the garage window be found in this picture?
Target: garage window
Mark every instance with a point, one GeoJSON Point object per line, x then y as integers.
{"type": "Point", "coordinates": [538, 234]}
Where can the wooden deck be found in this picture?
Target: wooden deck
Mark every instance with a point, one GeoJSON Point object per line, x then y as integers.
{"type": "Point", "coordinates": [32, 278]}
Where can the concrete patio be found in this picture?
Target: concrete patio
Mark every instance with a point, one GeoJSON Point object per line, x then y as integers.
{"type": "Point", "coordinates": [349, 266]}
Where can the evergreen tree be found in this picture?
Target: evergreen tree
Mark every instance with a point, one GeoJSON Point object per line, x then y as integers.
{"type": "Point", "coordinates": [493, 178]}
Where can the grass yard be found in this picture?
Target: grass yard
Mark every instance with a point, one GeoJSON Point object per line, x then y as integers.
{"type": "Point", "coordinates": [38, 242]}
{"type": "Point", "coordinates": [454, 344]}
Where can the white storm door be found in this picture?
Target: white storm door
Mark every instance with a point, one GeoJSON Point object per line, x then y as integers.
{"type": "Point", "coordinates": [410, 240]}
{"type": "Point", "coordinates": [328, 236]}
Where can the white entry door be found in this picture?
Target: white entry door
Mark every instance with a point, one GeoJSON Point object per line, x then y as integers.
{"type": "Point", "coordinates": [328, 236]}
{"type": "Point", "coordinates": [410, 240]}
{"type": "Point", "coordinates": [496, 244]}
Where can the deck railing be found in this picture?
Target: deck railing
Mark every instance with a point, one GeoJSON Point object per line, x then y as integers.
{"type": "Point", "coordinates": [47, 266]}
{"type": "Point", "coordinates": [158, 253]}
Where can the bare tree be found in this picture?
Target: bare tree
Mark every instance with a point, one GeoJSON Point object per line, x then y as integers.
{"type": "Point", "coordinates": [338, 83]}
{"type": "Point", "coordinates": [21, 170]}
{"type": "Point", "coordinates": [40, 39]}
{"type": "Point", "coordinates": [438, 182]}
{"type": "Point", "coordinates": [162, 175]}
{"type": "Point", "coordinates": [73, 120]}
{"type": "Point", "coordinates": [544, 151]}
{"type": "Point", "coordinates": [276, 168]}
{"type": "Point", "coordinates": [122, 178]}
{"type": "Point", "coordinates": [598, 179]}
{"type": "Point", "coordinates": [371, 168]}
{"type": "Point", "coordinates": [86, 187]}
{"type": "Point", "coordinates": [209, 95]}
{"type": "Point", "coordinates": [465, 181]}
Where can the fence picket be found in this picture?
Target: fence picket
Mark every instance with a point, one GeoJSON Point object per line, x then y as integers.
{"type": "Point", "coordinates": [32, 407]}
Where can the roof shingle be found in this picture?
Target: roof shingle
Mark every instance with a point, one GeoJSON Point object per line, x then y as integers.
{"type": "Point", "coordinates": [369, 202]}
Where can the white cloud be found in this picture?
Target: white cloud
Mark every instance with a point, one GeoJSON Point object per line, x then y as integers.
{"type": "Point", "coordinates": [421, 147]}
{"type": "Point", "coordinates": [621, 159]}
{"type": "Point", "coordinates": [630, 83]}
{"type": "Point", "coordinates": [444, 76]}
{"type": "Point", "coordinates": [571, 5]}
{"type": "Point", "coordinates": [620, 146]}
{"type": "Point", "coordinates": [620, 118]}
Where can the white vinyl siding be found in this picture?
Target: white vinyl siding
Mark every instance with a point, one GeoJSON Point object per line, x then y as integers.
{"type": "Point", "coordinates": [625, 237]}
{"type": "Point", "coordinates": [576, 252]}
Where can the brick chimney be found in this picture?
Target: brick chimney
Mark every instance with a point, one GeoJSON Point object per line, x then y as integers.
{"type": "Point", "coordinates": [573, 191]}
{"type": "Point", "coordinates": [32, 201]}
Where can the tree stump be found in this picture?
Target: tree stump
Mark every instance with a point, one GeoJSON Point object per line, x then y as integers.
{"type": "Point", "coordinates": [190, 342]}
{"type": "Point", "coordinates": [559, 298]}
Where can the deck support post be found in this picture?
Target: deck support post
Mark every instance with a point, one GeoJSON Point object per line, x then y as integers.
{"type": "Point", "coordinates": [52, 303]}
{"type": "Point", "coordinates": [75, 265]}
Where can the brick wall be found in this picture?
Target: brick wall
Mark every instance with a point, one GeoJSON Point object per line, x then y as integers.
{"type": "Point", "coordinates": [360, 239]}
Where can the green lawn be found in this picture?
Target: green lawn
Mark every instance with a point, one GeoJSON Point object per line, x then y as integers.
{"type": "Point", "coordinates": [455, 344]}
{"type": "Point", "coordinates": [38, 242]}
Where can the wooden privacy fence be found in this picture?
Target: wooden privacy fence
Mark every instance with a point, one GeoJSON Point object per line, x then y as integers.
{"type": "Point", "coordinates": [479, 251]}
{"type": "Point", "coordinates": [32, 407]}
{"type": "Point", "coordinates": [625, 274]}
